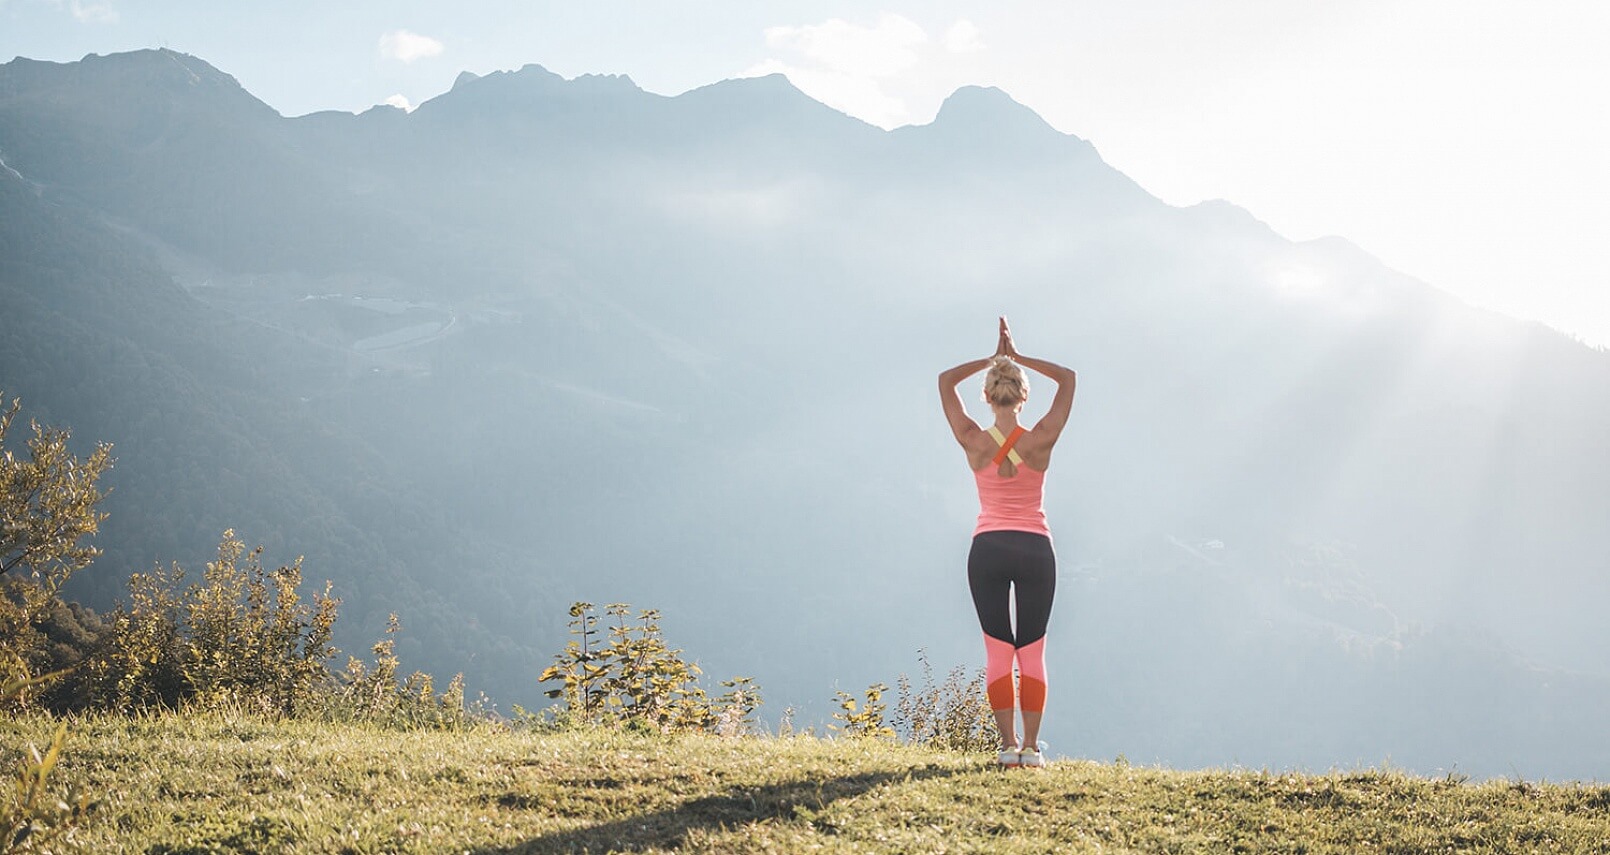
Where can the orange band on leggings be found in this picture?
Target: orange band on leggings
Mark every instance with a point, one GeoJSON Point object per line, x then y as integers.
{"type": "Point", "coordinates": [1033, 692]}
{"type": "Point", "coordinates": [1001, 696]}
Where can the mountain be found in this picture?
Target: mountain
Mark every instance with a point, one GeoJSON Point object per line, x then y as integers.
{"type": "Point", "coordinates": [545, 339]}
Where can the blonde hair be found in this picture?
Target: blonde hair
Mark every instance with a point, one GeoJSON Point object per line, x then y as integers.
{"type": "Point", "coordinates": [1005, 385]}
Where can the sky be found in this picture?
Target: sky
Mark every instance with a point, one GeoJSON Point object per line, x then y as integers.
{"type": "Point", "coordinates": [1460, 141]}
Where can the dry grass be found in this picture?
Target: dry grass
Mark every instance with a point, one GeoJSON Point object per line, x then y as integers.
{"type": "Point", "coordinates": [236, 784]}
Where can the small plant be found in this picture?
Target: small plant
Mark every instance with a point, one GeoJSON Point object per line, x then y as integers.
{"type": "Point", "coordinates": [638, 680]}
{"type": "Point", "coordinates": [373, 693]}
{"type": "Point", "coordinates": [863, 720]}
{"type": "Point", "coordinates": [953, 715]}
{"type": "Point", "coordinates": [737, 705]}
{"type": "Point", "coordinates": [31, 820]}
{"type": "Point", "coordinates": [643, 678]}
{"type": "Point", "coordinates": [578, 669]}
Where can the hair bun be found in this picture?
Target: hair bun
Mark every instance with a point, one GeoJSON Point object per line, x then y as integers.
{"type": "Point", "coordinates": [1005, 385]}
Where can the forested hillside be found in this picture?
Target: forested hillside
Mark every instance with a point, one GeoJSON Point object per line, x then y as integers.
{"type": "Point", "coordinates": [207, 436]}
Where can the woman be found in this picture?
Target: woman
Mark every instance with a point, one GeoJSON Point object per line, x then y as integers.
{"type": "Point", "coordinates": [1011, 556]}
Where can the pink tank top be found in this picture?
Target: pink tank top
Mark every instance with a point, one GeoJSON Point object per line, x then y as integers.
{"type": "Point", "coordinates": [1011, 504]}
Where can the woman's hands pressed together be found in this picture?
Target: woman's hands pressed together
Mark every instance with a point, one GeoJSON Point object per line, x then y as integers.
{"type": "Point", "coordinates": [1004, 345]}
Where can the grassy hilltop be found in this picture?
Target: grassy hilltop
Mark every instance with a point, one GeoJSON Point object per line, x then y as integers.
{"type": "Point", "coordinates": [221, 783]}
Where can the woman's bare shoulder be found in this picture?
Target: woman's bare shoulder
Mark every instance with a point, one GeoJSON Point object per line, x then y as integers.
{"type": "Point", "coordinates": [1036, 446]}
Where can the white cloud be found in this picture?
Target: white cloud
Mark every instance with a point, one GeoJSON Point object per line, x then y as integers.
{"type": "Point", "coordinates": [963, 37]}
{"type": "Point", "coordinates": [841, 46]}
{"type": "Point", "coordinates": [850, 66]}
{"type": "Point", "coordinates": [408, 46]}
{"type": "Point", "coordinates": [400, 101]}
{"type": "Point", "coordinates": [90, 13]}
{"type": "Point", "coordinates": [888, 73]}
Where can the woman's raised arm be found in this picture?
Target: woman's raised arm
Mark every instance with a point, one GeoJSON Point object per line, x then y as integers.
{"type": "Point", "coordinates": [961, 424]}
{"type": "Point", "coordinates": [1050, 425]}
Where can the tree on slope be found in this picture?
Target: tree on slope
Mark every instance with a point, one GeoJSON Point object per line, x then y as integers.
{"type": "Point", "coordinates": [49, 504]}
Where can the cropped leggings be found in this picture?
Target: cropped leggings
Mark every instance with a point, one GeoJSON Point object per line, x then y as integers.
{"type": "Point", "coordinates": [1003, 566]}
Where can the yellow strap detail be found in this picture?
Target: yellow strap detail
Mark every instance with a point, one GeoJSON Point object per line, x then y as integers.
{"type": "Point", "coordinates": [1001, 440]}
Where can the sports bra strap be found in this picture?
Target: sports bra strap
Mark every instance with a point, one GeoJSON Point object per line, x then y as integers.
{"type": "Point", "coordinates": [1006, 443]}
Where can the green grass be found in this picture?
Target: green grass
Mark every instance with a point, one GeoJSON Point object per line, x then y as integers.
{"type": "Point", "coordinates": [234, 784]}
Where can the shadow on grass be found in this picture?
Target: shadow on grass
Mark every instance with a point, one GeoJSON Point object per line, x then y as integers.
{"type": "Point", "coordinates": [670, 828]}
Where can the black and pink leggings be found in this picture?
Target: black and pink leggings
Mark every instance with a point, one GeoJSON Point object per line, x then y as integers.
{"type": "Point", "coordinates": [1003, 566]}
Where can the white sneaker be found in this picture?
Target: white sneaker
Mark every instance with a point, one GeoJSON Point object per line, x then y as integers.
{"type": "Point", "coordinates": [1009, 758]}
{"type": "Point", "coordinates": [1031, 758]}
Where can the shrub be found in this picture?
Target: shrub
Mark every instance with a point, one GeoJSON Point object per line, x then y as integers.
{"type": "Point", "coordinates": [252, 638]}
{"type": "Point", "coordinates": [953, 715]}
{"type": "Point", "coordinates": [636, 679]}
{"type": "Point", "coordinates": [49, 503]}
{"type": "Point", "coordinates": [373, 693]}
{"type": "Point", "coordinates": [143, 661]}
{"type": "Point", "coordinates": [242, 637]}
{"type": "Point", "coordinates": [863, 720]}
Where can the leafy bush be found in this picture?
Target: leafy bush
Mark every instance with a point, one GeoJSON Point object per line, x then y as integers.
{"type": "Point", "coordinates": [253, 638]}
{"type": "Point", "coordinates": [373, 693]}
{"type": "Point", "coordinates": [143, 661]}
{"type": "Point", "coordinates": [953, 715]}
{"type": "Point", "coordinates": [49, 502]}
{"type": "Point", "coordinates": [863, 720]}
{"type": "Point", "coordinates": [636, 679]}
{"type": "Point", "coordinates": [243, 637]}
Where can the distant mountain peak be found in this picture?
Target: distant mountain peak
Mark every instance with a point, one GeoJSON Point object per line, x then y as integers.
{"type": "Point", "coordinates": [775, 81]}
{"type": "Point", "coordinates": [531, 72]}
{"type": "Point", "coordinates": [763, 98]}
{"type": "Point", "coordinates": [984, 118]}
{"type": "Point", "coordinates": [531, 85]}
{"type": "Point", "coordinates": [529, 75]}
{"type": "Point", "coordinates": [147, 62]}
{"type": "Point", "coordinates": [110, 81]}
{"type": "Point", "coordinates": [762, 88]}
{"type": "Point", "coordinates": [534, 77]}
{"type": "Point", "coordinates": [1227, 211]}
{"type": "Point", "coordinates": [169, 63]}
{"type": "Point", "coordinates": [988, 105]}
{"type": "Point", "coordinates": [607, 81]}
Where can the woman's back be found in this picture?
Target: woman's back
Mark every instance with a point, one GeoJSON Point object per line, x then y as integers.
{"type": "Point", "coordinates": [1011, 503]}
